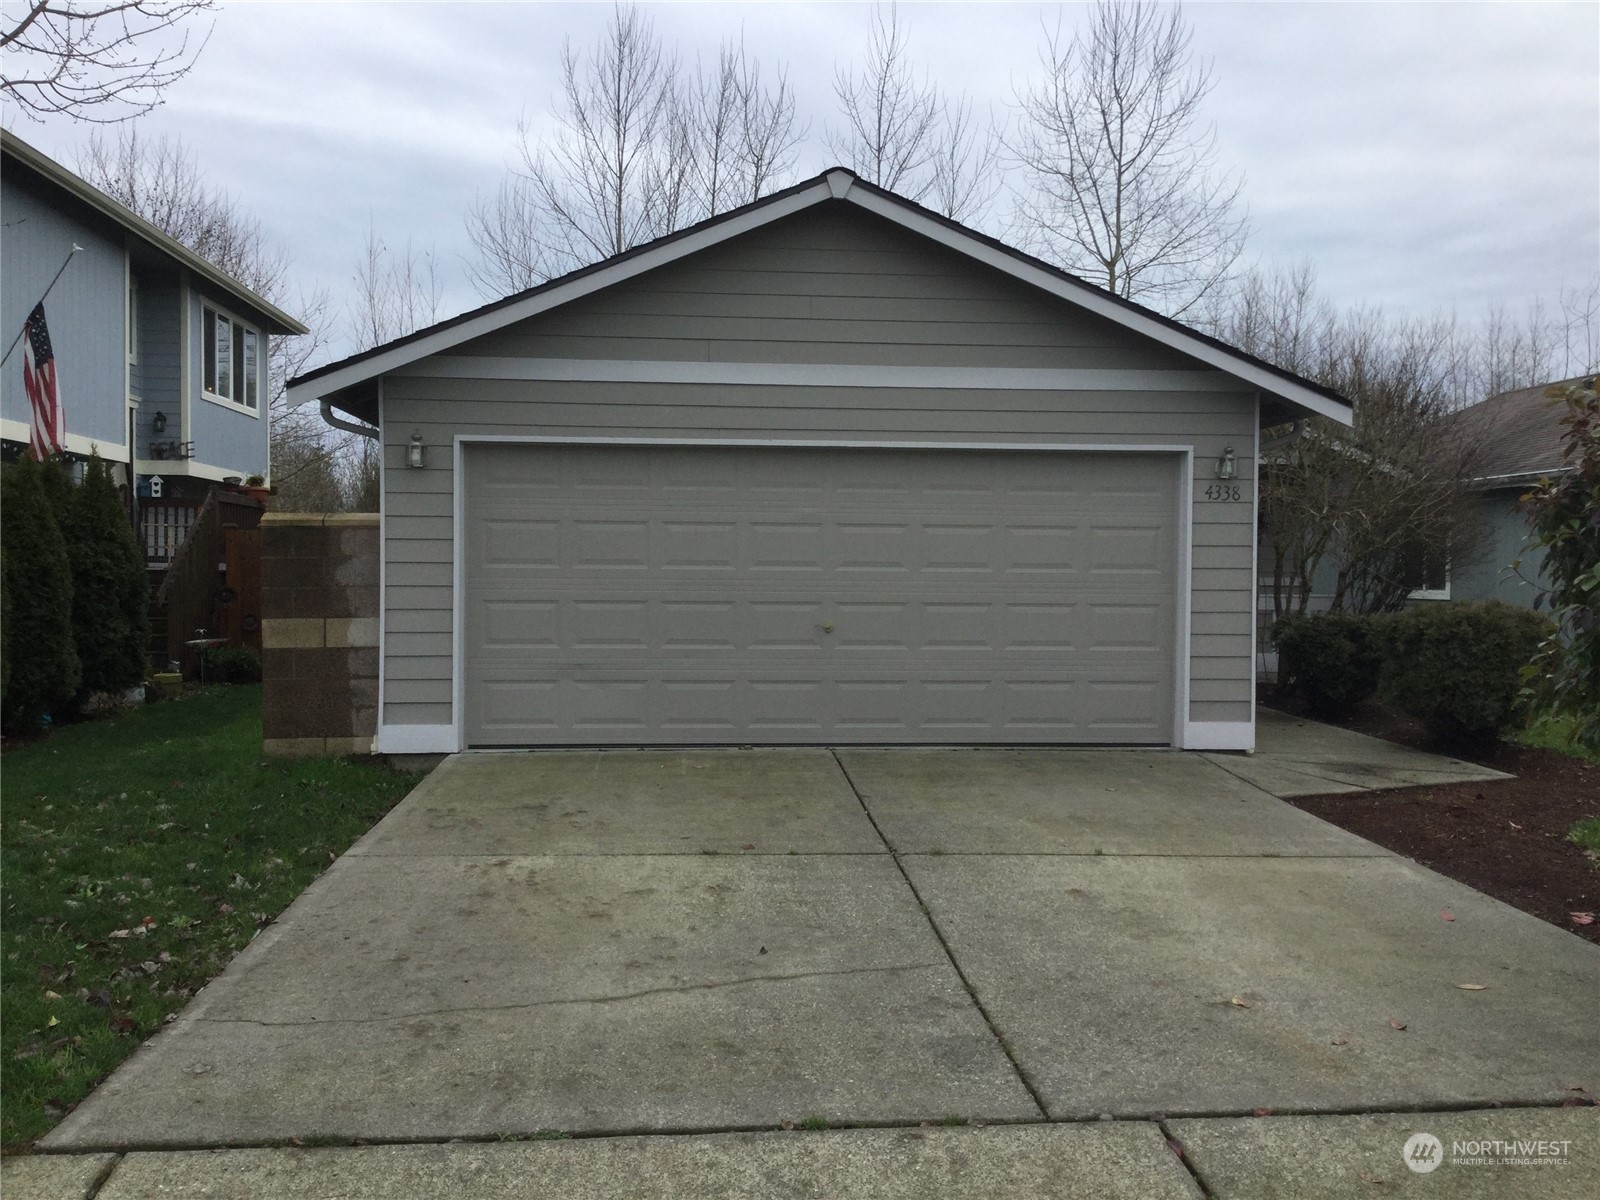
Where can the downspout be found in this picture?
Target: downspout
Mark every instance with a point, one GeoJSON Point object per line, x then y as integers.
{"type": "Point", "coordinates": [347, 426]}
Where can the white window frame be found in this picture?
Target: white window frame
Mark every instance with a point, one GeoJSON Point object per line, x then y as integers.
{"type": "Point", "coordinates": [210, 311]}
{"type": "Point", "coordinates": [132, 332]}
{"type": "Point", "coordinates": [1433, 593]}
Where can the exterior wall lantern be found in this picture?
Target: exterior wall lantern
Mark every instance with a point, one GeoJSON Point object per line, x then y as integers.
{"type": "Point", "coordinates": [414, 454]}
{"type": "Point", "coordinates": [159, 422]}
{"type": "Point", "coordinates": [1227, 466]}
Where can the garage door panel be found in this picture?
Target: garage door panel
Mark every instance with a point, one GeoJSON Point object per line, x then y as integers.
{"type": "Point", "coordinates": [740, 594]}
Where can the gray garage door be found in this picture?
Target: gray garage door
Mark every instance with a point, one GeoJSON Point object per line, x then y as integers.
{"type": "Point", "coordinates": [681, 595]}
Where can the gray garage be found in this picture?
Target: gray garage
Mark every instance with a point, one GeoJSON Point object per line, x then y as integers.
{"type": "Point", "coordinates": [828, 469]}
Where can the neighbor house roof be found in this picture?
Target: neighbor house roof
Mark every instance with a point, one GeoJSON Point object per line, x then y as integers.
{"type": "Point", "coordinates": [35, 161]}
{"type": "Point", "coordinates": [1521, 432]}
{"type": "Point", "coordinates": [837, 184]}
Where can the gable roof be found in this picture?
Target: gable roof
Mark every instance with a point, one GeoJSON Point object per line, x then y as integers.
{"type": "Point", "coordinates": [164, 244]}
{"type": "Point", "coordinates": [1521, 434]}
{"type": "Point", "coordinates": [834, 185]}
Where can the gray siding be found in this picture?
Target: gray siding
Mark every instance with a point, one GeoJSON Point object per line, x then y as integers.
{"type": "Point", "coordinates": [86, 312]}
{"type": "Point", "coordinates": [1489, 575]}
{"type": "Point", "coordinates": [829, 286]}
{"type": "Point", "coordinates": [824, 287]}
{"type": "Point", "coordinates": [159, 366]}
{"type": "Point", "coordinates": [225, 435]}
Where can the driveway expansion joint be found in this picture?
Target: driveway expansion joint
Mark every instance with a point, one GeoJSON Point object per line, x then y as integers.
{"type": "Point", "coordinates": [927, 914]}
{"type": "Point", "coordinates": [1181, 1153]}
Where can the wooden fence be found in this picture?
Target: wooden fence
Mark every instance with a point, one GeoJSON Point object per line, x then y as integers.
{"type": "Point", "coordinates": [212, 587]}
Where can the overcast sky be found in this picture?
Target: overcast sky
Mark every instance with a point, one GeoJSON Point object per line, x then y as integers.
{"type": "Point", "coordinates": [1421, 156]}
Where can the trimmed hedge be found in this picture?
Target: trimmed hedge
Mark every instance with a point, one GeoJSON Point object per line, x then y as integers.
{"type": "Point", "coordinates": [1455, 667]}
{"type": "Point", "coordinates": [1329, 661]}
{"type": "Point", "coordinates": [232, 664]}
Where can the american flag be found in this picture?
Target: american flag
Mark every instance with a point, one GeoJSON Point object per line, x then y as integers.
{"type": "Point", "coordinates": [49, 434]}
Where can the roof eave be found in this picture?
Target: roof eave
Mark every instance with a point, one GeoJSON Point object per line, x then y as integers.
{"type": "Point", "coordinates": [276, 320]}
{"type": "Point", "coordinates": [836, 184]}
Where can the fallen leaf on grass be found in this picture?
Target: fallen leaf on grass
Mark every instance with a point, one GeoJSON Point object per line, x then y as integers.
{"type": "Point", "coordinates": [1582, 918]}
{"type": "Point", "coordinates": [52, 995]}
{"type": "Point", "coordinates": [1473, 987]}
{"type": "Point", "coordinates": [1238, 1003]}
{"type": "Point", "coordinates": [52, 1023]}
{"type": "Point", "coordinates": [1446, 915]}
{"type": "Point", "coordinates": [1393, 1024]}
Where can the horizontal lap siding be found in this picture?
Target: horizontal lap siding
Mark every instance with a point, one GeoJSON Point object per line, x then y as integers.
{"type": "Point", "coordinates": [820, 288]}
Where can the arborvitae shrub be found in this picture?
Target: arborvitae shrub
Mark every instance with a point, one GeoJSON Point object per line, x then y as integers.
{"type": "Point", "coordinates": [110, 600]}
{"type": "Point", "coordinates": [44, 671]}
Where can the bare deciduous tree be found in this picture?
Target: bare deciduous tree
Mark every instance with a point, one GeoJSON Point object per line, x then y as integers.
{"type": "Point", "coordinates": [639, 150]}
{"type": "Point", "coordinates": [601, 180]}
{"type": "Point", "coordinates": [396, 292]}
{"type": "Point", "coordinates": [892, 114]}
{"type": "Point", "coordinates": [965, 169]}
{"type": "Point", "coordinates": [1358, 513]}
{"type": "Point", "coordinates": [1118, 166]}
{"type": "Point", "coordinates": [740, 137]}
{"type": "Point", "coordinates": [161, 180]}
{"type": "Point", "coordinates": [97, 61]}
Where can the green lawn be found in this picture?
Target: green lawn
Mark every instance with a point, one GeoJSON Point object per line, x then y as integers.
{"type": "Point", "coordinates": [1547, 733]}
{"type": "Point", "coordinates": [139, 855]}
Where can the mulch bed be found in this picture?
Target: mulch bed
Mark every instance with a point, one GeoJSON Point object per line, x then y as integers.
{"type": "Point", "coordinates": [1507, 838]}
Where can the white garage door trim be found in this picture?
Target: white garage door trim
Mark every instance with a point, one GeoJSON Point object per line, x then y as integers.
{"type": "Point", "coordinates": [418, 739]}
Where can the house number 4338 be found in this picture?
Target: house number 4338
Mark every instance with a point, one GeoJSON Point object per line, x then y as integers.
{"type": "Point", "coordinates": [1223, 491]}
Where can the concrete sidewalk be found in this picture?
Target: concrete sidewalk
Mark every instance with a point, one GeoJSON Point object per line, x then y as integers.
{"type": "Point", "coordinates": [1298, 757]}
{"type": "Point", "coordinates": [1306, 1158]}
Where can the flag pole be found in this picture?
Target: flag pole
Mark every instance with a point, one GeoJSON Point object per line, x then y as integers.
{"type": "Point", "coordinates": [41, 300]}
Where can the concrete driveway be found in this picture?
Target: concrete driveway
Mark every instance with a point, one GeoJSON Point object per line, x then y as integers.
{"type": "Point", "coordinates": [641, 942]}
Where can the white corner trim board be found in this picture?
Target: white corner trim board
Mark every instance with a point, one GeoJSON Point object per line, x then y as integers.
{"type": "Point", "coordinates": [600, 370]}
{"type": "Point", "coordinates": [1219, 735]}
{"type": "Point", "coordinates": [417, 739]}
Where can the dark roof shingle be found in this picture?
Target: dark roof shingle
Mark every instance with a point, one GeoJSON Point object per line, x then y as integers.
{"type": "Point", "coordinates": [1521, 431]}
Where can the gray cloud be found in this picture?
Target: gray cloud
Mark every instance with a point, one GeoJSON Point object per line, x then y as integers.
{"type": "Point", "coordinates": [1420, 156]}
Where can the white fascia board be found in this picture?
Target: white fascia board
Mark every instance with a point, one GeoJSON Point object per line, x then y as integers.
{"type": "Point", "coordinates": [509, 314]}
{"type": "Point", "coordinates": [602, 370]}
{"type": "Point", "coordinates": [1096, 302]}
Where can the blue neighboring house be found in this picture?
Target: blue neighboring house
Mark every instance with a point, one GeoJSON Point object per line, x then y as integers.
{"type": "Point", "coordinates": [161, 357]}
{"type": "Point", "coordinates": [1521, 431]}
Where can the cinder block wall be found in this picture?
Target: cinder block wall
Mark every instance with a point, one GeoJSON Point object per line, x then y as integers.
{"type": "Point", "coordinates": [319, 633]}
